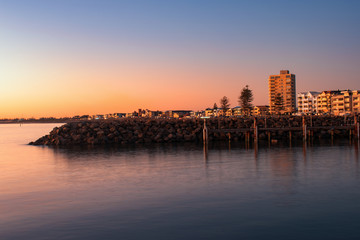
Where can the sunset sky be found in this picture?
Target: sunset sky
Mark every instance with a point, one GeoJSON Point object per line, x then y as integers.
{"type": "Point", "coordinates": [74, 57]}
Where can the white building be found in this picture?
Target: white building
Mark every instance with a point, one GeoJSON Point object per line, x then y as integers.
{"type": "Point", "coordinates": [307, 103]}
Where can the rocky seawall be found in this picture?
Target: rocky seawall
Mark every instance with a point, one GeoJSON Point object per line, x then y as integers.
{"type": "Point", "coordinates": [141, 130]}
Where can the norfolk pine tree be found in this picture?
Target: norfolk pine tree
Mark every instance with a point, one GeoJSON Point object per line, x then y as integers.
{"type": "Point", "coordinates": [245, 99]}
{"type": "Point", "coordinates": [224, 103]}
{"type": "Point", "coordinates": [215, 107]}
{"type": "Point", "coordinates": [278, 103]}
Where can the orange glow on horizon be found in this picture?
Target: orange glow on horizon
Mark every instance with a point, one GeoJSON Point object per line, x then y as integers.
{"type": "Point", "coordinates": [64, 91]}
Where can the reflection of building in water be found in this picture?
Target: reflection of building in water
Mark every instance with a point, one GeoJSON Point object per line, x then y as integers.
{"type": "Point", "coordinates": [284, 171]}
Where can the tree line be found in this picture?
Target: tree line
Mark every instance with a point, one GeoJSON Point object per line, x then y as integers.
{"type": "Point", "coordinates": [245, 101]}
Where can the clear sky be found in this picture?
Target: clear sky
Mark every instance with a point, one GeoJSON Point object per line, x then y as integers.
{"type": "Point", "coordinates": [70, 57]}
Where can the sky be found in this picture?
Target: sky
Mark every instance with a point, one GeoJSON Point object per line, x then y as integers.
{"type": "Point", "coordinates": [73, 57]}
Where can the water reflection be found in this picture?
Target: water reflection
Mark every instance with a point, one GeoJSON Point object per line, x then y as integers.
{"type": "Point", "coordinates": [304, 150]}
{"type": "Point", "coordinates": [205, 150]}
{"type": "Point", "coordinates": [284, 166]}
{"type": "Point", "coordinates": [221, 163]}
{"type": "Point", "coordinates": [91, 153]}
{"type": "Point", "coordinates": [178, 191]}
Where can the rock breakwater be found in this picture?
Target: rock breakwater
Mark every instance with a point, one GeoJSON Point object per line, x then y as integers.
{"type": "Point", "coordinates": [142, 130]}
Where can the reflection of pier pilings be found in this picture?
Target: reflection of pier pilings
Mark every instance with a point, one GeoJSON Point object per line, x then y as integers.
{"type": "Point", "coordinates": [205, 141]}
{"type": "Point", "coordinates": [205, 133]}
{"type": "Point", "coordinates": [356, 151]}
{"type": "Point", "coordinates": [304, 150]}
{"type": "Point", "coordinates": [205, 150]}
{"type": "Point", "coordinates": [256, 150]}
{"type": "Point", "coordinates": [229, 143]}
{"type": "Point", "coordinates": [247, 140]}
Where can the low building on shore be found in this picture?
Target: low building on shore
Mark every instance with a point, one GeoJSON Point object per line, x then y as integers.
{"type": "Point", "coordinates": [178, 113]}
{"type": "Point", "coordinates": [197, 114]}
{"type": "Point", "coordinates": [155, 114]}
{"type": "Point", "coordinates": [237, 111]}
{"type": "Point", "coordinates": [131, 114]}
{"type": "Point", "coordinates": [260, 110]}
{"type": "Point", "coordinates": [211, 112]}
{"type": "Point", "coordinates": [98, 117]}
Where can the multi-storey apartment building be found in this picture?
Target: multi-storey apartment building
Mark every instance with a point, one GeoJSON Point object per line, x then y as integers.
{"type": "Point", "coordinates": [307, 102]}
{"type": "Point", "coordinates": [356, 101]}
{"type": "Point", "coordinates": [284, 85]}
{"type": "Point", "coordinates": [338, 102]}
{"type": "Point", "coordinates": [324, 101]}
{"type": "Point", "coordinates": [343, 102]}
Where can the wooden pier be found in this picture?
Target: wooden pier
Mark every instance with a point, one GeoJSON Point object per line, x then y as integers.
{"type": "Point", "coordinates": [307, 131]}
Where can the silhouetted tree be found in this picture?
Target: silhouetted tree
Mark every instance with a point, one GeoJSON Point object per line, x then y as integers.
{"type": "Point", "coordinates": [278, 103]}
{"type": "Point", "coordinates": [245, 99]}
{"type": "Point", "coordinates": [224, 103]}
{"type": "Point", "coordinates": [215, 107]}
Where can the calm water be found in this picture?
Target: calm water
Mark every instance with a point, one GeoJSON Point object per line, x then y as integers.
{"type": "Point", "coordinates": [173, 192]}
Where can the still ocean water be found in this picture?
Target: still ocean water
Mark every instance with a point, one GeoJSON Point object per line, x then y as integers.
{"type": "Point", "coordinates": [173, 192]}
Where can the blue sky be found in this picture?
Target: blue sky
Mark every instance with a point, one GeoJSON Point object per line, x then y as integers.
{"type": "Point", "coordinates": [209, 43]}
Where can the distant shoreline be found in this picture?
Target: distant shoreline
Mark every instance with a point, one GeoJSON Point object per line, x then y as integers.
{"type": "Point", "coordinates": [34, 121]}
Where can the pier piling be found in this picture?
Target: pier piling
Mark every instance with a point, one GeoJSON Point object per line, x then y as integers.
{"type": "Point", "coordinates": [255, 131]}
{"type": "Point", "coordinates": [304, 129]}
{"type": "Point", "coordinates": [290, 136]}
{"type": "Point", "coordinates": [265, 122]}
{"type": "Point", "coordinates": [205, 133]}
{"type": "Point", "coordinates": [357, 129]}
